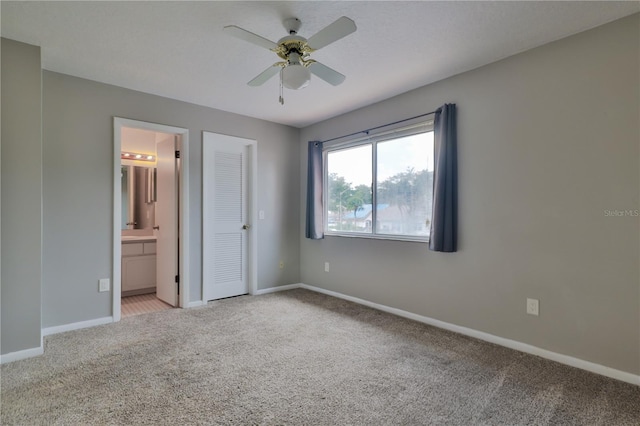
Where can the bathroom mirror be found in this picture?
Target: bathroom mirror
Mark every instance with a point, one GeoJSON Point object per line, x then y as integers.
{"type": "Point", "coordinates": [138, 197]}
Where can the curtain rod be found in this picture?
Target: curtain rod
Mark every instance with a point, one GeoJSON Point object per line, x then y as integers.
{"type": "Point", "coordinates": [380, 127]}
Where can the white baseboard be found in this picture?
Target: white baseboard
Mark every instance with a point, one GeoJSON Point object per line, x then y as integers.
{"type": "Point", "coordinates": [255, 293]}
{"type": "Point", "coordinates": [76, 326]}
{"type": "Point", "coordinates": [512, 344]}
{"type": "Point", "coordinates": [24, 354]}
{"type": "Point", "coordinates": [278, 288]}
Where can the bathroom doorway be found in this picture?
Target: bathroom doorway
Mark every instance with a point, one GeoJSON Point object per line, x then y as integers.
{"type": "Point", "coordinates": [150, 224]}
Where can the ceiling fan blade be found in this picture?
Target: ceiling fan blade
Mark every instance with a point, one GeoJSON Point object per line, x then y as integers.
{"type": "Point", "coordinates": [327, 74]}
{"type": "Point", "coordinates": [342, 27]}
{"type": "Point", "coordinates": [245, 35]}
{"type": "Point", "coordinates": [265, 75]}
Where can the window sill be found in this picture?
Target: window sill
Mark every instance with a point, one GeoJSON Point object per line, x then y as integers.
{"type": "Point", "coordinates": [404, 238]}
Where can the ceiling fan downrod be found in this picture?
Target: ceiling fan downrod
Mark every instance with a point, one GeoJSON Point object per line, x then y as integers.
{"type": "Point", "coordinates": [292, 25]}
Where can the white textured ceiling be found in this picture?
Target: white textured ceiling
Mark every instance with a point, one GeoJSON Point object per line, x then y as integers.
{"type": "Point", "coordinates": [178, 49]}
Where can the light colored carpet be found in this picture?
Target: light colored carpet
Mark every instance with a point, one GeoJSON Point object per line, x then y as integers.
{"type": "Point", "coordinates": [297, 358]}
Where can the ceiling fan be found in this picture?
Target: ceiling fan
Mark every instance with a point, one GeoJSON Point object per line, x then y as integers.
{"type": "Point", "coordinates": [296, 67]}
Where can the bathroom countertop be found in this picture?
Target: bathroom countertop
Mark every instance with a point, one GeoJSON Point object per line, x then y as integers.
{"type": "Point", "coordinates": [127, 239]}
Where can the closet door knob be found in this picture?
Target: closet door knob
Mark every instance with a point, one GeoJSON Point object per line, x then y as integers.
{"type": "Point", "coordinates": [246, 226]}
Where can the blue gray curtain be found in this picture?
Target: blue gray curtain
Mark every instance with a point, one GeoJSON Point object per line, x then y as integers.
{"type": "Point", "coordinates": [315, 222]}
{"type": "Point", "coordinates": [444, 219]}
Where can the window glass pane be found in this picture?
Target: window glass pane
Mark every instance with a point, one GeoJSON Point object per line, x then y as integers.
{"type": "Point", "coordinates": [349, 178]}
{"type": "Point", "coordinates": [405, 185]}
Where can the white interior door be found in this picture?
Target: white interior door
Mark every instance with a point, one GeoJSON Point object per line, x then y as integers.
{"type": "Point", "coordinates": [225, 205]}
{"type": "Point", "coordinates": [167, 221]}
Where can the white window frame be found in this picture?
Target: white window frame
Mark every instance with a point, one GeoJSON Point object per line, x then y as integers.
{"type": "Point", "coordinates": [372, 139]}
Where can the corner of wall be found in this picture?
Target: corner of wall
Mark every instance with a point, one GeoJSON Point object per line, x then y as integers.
{"type": "Point", "coordinates": [21, 199]}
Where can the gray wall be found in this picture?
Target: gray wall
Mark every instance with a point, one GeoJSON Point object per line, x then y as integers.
{"type": "Point", "coordinates": [548, 141]}
{"type": "Point", "coordinates": [78, 185]}
{"type": "Point", "coordinates": [21, 196]}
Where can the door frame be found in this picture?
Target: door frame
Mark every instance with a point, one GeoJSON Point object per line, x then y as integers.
{"type": "Point", "coordinates": [252, 214]}
{"type": "Point", "coordinates": [183, 208]}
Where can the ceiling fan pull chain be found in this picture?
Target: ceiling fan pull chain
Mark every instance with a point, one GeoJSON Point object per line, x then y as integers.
{"type": "Point", "coordinates": [281, 89]}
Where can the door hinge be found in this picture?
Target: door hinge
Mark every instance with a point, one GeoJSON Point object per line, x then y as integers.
{"type": "Point", "coordinates": [177, 154]}
{"type": "Point", "coordinates": [178, 283]}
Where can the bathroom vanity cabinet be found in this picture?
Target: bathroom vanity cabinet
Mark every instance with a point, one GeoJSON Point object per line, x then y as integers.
{"type": "Point", "coordinates": [138, 266]}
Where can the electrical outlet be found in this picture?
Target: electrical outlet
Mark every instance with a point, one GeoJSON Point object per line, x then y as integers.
{"type": "Point", "coordinates": [103, 285]}
{"type": "Point", "coordinates": [533, 307]}
{"type": "Point", "coordinates": [326, 266]}
{"type": "Point", "coordinates": [281, 264]}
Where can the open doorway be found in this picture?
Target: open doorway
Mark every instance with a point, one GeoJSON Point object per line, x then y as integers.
{"type": "Point", "coordinates": [150, 225]}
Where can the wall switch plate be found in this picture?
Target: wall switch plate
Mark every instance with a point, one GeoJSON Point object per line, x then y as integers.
{"type": "Point", "coordinates": [326, 266]}
{"type": "Point", "coordinates": [261, 215]}
{"type": "Point", "coordinates": [103, 285]}
{"type": "Point", "coordinates": [533, 307]}
{"type": "Point", "coordinates": [281, 264]}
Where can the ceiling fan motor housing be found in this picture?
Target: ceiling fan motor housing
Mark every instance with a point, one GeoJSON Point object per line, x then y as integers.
{"type": "Point", "coordinates": [293, 44]}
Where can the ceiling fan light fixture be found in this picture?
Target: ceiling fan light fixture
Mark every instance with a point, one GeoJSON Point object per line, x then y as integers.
{"type": "Point", "coordinates": [295, 76]}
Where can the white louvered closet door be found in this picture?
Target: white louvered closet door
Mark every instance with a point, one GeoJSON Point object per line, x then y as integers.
{"type": "Point", "coordinates": [225, 216]}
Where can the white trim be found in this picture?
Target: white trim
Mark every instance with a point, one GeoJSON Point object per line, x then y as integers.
{"type": "Point", "coordinates": [116, 266]}
{"type": "Point", "coordinates": [277, 288]}
{"type": "Point", "coordinates": [390, 237]}
{"type": "Point", "coordinates": [118, 124]}
{"type": "Point", "coordinates": [196, 304]}
{"type": "Point", "coordinates": [24, 354]}
{"type": "Point", "coordinates": [76, 326]}
{"type": "Point", "coordinates": [184, 220]}
{"type": "Point", "coordinates": [512, 344]}
{"type": "Point", "coordinates": [253, 214]}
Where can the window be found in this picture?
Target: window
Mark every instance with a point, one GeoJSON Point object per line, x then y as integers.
{"type": "Point", "coordinates": [381, 186]}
